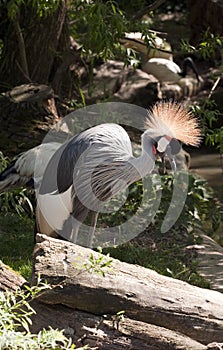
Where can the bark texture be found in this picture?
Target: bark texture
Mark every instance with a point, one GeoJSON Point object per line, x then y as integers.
{"type": "Point", "coordinates": [108, 332]}
{"type": "Point", "coordinates": [9, 279]}
{"type": "Point", "coordinates": [30, 45]}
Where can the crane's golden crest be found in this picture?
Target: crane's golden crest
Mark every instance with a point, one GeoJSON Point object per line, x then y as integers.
{"type": "Point", "coordinates": [174, 120]}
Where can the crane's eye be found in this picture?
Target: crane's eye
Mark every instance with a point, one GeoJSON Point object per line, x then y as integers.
{"type": "Point", "coordinates": [175, 146]}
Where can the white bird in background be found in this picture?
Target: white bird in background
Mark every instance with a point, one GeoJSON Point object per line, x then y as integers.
{"type": "Point", "coordinates": [159, 62]}
{"type": "Point", "coordinates": [28, 167]}
{"type": "Point", "coordinates": [168, 71]}
{"type": "Point", "coordinates": [98, 163]}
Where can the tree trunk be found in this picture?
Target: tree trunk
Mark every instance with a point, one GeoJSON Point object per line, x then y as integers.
{"type": "Point", "coordinates": [31, 44]}
{"type": "Point", "coordinates": [145, 295]}
{"type": "Point", "coordinates": [36, 51]}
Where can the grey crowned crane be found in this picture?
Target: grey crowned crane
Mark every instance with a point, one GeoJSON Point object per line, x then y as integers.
{"type": "Point", "coordinates": [28, 167]}
{"type": "Point", "coordinates": [98, 163]}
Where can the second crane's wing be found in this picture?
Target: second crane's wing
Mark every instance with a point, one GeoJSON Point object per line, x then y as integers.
{"type": "Point", "coordinates": [28, 168]}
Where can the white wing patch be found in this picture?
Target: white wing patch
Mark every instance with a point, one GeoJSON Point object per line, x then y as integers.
{"type": "Point", "coordinates": [56, 208]}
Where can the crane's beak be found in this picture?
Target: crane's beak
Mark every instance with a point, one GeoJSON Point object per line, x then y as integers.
{"type": "Point", "coordinates": [171, 161]}
{"type": "Point", "coordinates": [171, 158]}
{"type": "Point", "coordinates": [168, 148]}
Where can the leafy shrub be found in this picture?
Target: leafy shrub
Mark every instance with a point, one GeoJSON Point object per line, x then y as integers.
{"type": "Point", "coordinates": [200, 205]}
{"type": "Point", "coordinates": [208, 114]}
{"type": "Point", "coordinates": [168, 253]}
{"type": "Point", "coordinates": [15, 313]}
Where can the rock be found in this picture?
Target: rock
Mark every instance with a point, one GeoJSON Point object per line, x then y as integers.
{"type": "Point", "coordinates": [115, 82]}
{"type": "Point", "coordinates": [138, 88]}
{"type": "Point", "coordinates": [210, 262]}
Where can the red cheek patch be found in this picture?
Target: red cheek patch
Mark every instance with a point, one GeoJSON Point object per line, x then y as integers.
{"type": "Point", "coordinates": [154, 149]}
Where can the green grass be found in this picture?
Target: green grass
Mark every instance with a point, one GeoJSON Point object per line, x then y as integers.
{"type": "Point", "coordinates": [17, 242]}
{"type": "Point", "coordinates": [16, 313]}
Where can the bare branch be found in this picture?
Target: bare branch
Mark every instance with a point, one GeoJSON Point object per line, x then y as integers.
{"type": "Point", "coordinates": [22, 71]}
{"type": "Point", "coordinates": [148, 8]}
{"type": "Point", "coordinates": [214, 87]}
{"type": "Point", "coordinates": [22, 49]}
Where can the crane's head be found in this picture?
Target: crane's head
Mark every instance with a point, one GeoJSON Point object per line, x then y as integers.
{"type": "Point", "coordinates": [169, 124]}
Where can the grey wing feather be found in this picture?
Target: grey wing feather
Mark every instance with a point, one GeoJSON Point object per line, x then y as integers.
{"type": "Point", "coordinates": [110, 141]}
{"type": "Point", "coordinates": [58, 175]}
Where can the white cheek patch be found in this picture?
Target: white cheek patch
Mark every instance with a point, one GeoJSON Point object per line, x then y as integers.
{"type": "Point", "coordinates": [162, 144]}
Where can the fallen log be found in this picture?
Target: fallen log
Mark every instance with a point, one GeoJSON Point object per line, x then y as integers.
{"type": "Point", "coordinates": [109, 333]}
{"type": "Point", "coordinates": [9, 279]}
{"type": "Point", "coordinates": [85, 280]}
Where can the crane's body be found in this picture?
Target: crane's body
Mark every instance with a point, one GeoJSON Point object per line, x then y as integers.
{"type": "Point", "coordinates": [78, 177]}
{"type": "Point", "coordinates": [98, 163]}
{"type": "Point", "coordinates": [20, 172]}
{"type": "Point", "coordinates": [91, 167]}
